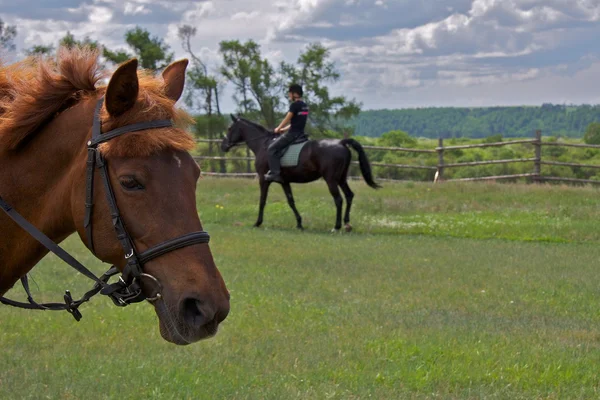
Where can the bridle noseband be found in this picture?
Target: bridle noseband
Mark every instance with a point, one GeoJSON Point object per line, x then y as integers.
{"type": "Point", "coordinates": [127, 289]}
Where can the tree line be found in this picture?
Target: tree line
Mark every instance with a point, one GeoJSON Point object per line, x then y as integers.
{"type": "Point", "coordinates": [557, 120]}
{"type": "Point", "coordinates": [260, 87]}
{"type": "Point", "coordinates": [259, 92]}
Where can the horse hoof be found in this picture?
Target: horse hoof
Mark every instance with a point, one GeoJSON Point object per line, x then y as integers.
{"type": "Point", "coordinates": [348, 228]}
{"type": "Point", "coordinates": [257, 225]}
{"type": "Point", "coordinates": [335, 230]}
{"type": "Point", "coordinates": [300, 228]}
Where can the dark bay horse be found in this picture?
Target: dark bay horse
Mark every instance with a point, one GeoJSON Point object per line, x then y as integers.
{"type": "Point", "coordinates": [329, 159]}
{"type": "Point", "coordinates": [46, 114]}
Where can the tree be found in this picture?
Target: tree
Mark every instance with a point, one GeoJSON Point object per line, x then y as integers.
{"type": "Point", "coordinates": [254, 78]}
{"type": "Point", "coordinates": [592, 133]}
{"type": "Point", "coordinates": [201, 81]}
{"type": "Point", "coordinates": [69, 42]}
{"type": "Point", "coordinates": [7, 36]}
{"type": "Point", "coordinates": [203, 85]}
{"type": "Point", "coordinates": [397, 139]}
{"type": "Point", "coordinates": [39, 50]}
{"type": "Point", "coordinates": [236, 69]}
{"type": "Point", "coordinates": [314, 71]}
{"type": "Point", "coordinates": [265, 88]}
{"type": "Point", "coordinates": [151, 52]}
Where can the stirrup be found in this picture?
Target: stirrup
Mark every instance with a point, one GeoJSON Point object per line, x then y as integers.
{"type": "Point", "coordinates": [273, 177]}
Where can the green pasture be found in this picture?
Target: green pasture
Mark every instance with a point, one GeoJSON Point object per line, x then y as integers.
{"type": "Point", "coordinates": [450, 291]}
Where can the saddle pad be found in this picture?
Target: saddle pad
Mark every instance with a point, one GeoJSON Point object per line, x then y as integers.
{"type": "Point", "coordinates": [292, 154]}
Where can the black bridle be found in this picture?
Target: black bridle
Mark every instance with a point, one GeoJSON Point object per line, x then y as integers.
{"type": "Point", "coordinates": [269, 135]}
{"type": "Point", "coordinates": [127, 289]}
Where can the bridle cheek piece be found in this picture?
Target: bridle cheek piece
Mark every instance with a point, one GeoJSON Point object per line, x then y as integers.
{"type": "Point", "coordinates": [128, 289]}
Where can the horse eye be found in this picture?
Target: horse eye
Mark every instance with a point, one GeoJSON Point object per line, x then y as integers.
{"type": "Point", "coordinates": [129, 183]}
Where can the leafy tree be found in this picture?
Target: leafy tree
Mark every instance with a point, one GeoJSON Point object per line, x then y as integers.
{"type": "Point", "coordinates": [479, 122]}
{"type": "Point", "coordinates": [257, 86]}
{"type": "Point", "coordinates": [116, 57]}
{"type": "Point", "coordinates": [151, 52]}
{"type": "Point", "coordinates": [200, 80]}
{"type": "Point", "coordinates": [69, 42]}
{"type": "Point", "coordinates": [203, 90]}
{"type": "Point", "coordinates": [397, 139]}
{"type": "Point", "coordinates": [7, 36]}
{"type": "Point", "coordinates": [40, 50]}
{"type": "Point", "coordinates": [314, 71]}
{"type": "Point", "coordinates": [493, 139]}
{"type": "Point", "coordinates": [236, 69]}
{"type": "Point", "coordinates": [592, 133]}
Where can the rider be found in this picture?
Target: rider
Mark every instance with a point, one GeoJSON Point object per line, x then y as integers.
{"type": "Point", "coordinates": [293, 125]}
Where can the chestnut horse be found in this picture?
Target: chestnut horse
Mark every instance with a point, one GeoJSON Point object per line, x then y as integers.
{"type": "Point", "coordinates": [46, 114]}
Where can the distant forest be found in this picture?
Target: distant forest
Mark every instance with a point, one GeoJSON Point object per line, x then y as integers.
{"type": "Point", "coordinates": [553, 120]}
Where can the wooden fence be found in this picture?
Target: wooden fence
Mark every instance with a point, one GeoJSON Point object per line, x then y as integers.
{"type": "Point", "coordinates": [535, 175]}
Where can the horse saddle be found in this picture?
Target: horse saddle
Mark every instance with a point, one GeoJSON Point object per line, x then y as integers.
{"type": "Point", "coordinates": [292, 153]}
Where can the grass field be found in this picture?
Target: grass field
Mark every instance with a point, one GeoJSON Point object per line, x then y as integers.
{"type": "Point", "coordinates": [442, 291]}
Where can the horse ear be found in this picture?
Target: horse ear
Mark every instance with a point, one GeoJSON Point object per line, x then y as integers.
{"type": "Point", "coordinates": [174, 76]}
{"type": "Point", "coordinates": [123, 89]}
{"type": "Point", "coordinates": [233, 117]}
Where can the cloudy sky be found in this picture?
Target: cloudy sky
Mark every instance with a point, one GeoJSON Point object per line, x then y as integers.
{"type": "Point", "coordinates": [392, 53]}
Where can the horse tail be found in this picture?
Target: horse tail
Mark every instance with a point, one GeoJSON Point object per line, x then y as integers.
{"type": "Point", "coordinates": [363, 160]}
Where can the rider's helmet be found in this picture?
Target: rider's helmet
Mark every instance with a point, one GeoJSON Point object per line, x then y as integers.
{"type": "Point", "coordinates": [296, 89]}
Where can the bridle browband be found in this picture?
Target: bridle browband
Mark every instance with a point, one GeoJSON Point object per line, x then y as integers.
{"type": "Point", "coordinates": [127, 289]}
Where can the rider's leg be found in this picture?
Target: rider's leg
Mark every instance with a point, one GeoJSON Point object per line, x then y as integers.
{"type": "Point", "coordinates": [275, 152]}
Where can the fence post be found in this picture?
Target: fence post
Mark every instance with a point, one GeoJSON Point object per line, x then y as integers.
{"type": "Point", "coordinates": [248, 163]}
{"type": "Point", "coordinates": [223, 167]}
{"type": "Point", "coordinates": [439, 175]}
{"type": "Point", "coordinates": [537, 164]}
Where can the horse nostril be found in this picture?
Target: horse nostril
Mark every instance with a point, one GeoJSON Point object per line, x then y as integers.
{"type": "Point", "coordinates": [195, 313]}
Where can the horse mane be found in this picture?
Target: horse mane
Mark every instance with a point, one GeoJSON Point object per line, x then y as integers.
{"type": "Point", "coordinates": [39, 87]}
{"type": "Point", "coordinates": [152, 103]}
{"type": "Point", "coordinates": [256, 125]}
{"type": "Point", "coordinates": [4, 86]}
{"type": "Point", "coordinates": [35, 90]}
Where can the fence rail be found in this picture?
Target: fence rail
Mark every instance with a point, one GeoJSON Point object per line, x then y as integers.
{"type": "Point", "coordinates": [495, 144]}
{"type": "Point", "coordinates": [405, 149]}
{"type": "Point", "coordinates": [567, 164]}
{"type": "Point", "coordinates": [490, 162]}
{"type": "Point", "coordinates": [585, 146]}
{"type": "Point", "coordinates": [494, 178]}
{"type": "Point", "coordinates": [535, 176]}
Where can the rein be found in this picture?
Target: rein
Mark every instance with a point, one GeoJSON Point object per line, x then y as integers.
{"type": "Point", "coordinates": [127, 289]}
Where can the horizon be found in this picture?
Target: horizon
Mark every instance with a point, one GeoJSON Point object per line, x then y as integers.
{"type": "Point", "coordinates": [494, 106]}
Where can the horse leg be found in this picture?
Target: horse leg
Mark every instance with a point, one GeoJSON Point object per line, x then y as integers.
{"type": "Point", "coordinates": [287, 188]}
{"type": "Point", "coordinates": [264, 190]}
{"type": "Point", "coordinates": [349, 196]}
{"type": "Point", "coordinates": [337, 198]}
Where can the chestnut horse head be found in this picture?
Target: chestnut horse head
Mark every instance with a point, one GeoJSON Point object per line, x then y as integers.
{"type": "Point", "coordinates": [46, 120]}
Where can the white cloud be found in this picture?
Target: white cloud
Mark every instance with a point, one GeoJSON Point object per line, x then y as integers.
{"type": "Point", "coordinates": [391, 52]}
{"type": "Point", "coordinates": [133, 9]}
{"type": "Point", "coordinates": [242, 15]}
{"type": "Point", "coordinates": [99, 15]}
{"type": "Point", "coordinates": [200, 11]}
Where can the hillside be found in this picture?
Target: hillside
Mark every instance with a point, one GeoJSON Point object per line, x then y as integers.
{"type": "Point", "coordinates": [555, 120]}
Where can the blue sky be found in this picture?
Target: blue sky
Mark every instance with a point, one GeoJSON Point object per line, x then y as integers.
{"type": "Point", "coordinates": [392, 53]}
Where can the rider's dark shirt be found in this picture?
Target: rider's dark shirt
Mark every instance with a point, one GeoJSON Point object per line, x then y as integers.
{"type": "Point", "coordinates": [300, 111]}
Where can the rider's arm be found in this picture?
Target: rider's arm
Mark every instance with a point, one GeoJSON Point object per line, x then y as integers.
{"type": "Point", "coordinates": [285, 129]}
{"type": "Point", "coordinates": [285, 122]}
